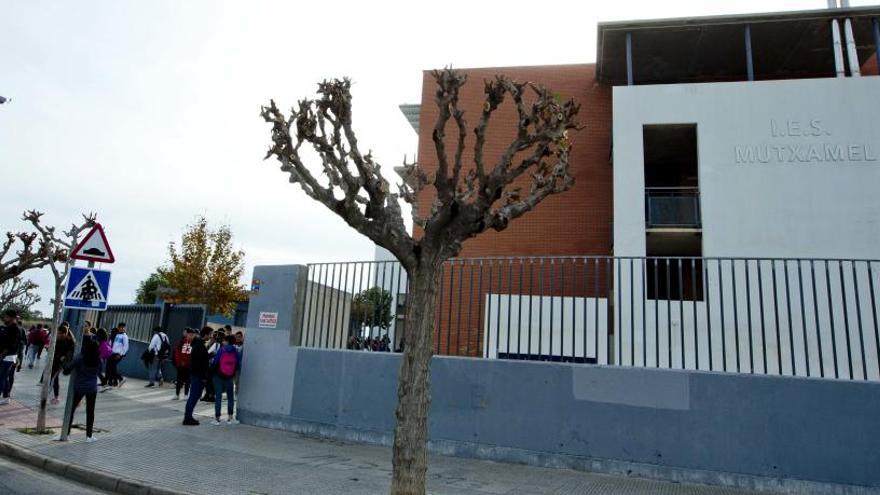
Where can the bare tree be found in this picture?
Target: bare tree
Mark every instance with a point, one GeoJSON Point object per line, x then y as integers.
{"type": "Point", "coordinates": [31, 254]}
{"type": "Point", "coordinates": [467, 200]}
{"type": "Point", "coordinates": [18, 292]}
{"type": "Point", "coordinates": [59, 247]}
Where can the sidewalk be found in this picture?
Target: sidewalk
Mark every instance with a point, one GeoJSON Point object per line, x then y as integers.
{"type": "Point", "coordinates": [140, 437]}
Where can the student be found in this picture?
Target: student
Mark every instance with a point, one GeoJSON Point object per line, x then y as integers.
{"type": "Point", "coordinates": [19, 359]}
{"type": "Point", "coordinates": [216, 343]}
{"type": "Point", "coordinates": [239, 346]}
{"type": "Point", "coordinates": [119, 348]}
{"type": "Point", "coordinates": [86, 367]}
{"type": "Point", "coordinates": [182, 355]}
{"type": "Point", "coordinates": [105, 350]}
{"type": "Point", "coordinates": [198, 372]}
{"type": "Point", "coordinates": [160, 350]}
{"type": "Point", "coordinates": [226, 364]}
{"type": "Point", "coordinates": [47, 339]}
{"type": "Point", "coordinates": [65, 346]}
{"type": "Point", "coordinates": [9, 343]}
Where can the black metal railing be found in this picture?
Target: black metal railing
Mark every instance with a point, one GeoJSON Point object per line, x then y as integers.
{"type": "Point", "coordinates": [803, 317]}
{"type": "Point", "coordinates": [672, 207]}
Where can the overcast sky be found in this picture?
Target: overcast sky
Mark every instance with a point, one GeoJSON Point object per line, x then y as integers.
{"type": "Point", "coordinates": [146, 112]}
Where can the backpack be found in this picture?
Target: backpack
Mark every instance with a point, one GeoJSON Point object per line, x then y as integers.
{"type": "Point", "coordinates": [164, 347]}
{"type": "Point", "coordinates": [227, 364]}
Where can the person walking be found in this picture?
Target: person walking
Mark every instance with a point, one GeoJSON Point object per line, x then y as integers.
{"type": "Point", "coordinates": [226, 364]}
{"type": "Point", "coordinates": [105, 350]}
{"type": "Point", "coordinates": [36, 342]}
{"type": "Point", "coordinates": [182, 355]}
{"type": "Point", "coordinates": [65, 346]}
{"type": "Point", "coordinates": [86, 367]}
{"type": "Point", "coordinates": [9, 343]}
{"type": "Point", "coordinates": [198, 373]}
{"type": "Point", "coordinates": [160, 350]}
{"type": "Point", "coordinates": [119, 348]}
{"type": "Point", "coordinates": [19, 359]}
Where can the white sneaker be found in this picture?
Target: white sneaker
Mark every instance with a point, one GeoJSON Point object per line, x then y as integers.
{"type": "Point", "coordinates": [56, 438]}
{"type": "Point", "coordinates": [232, 421]}
{"type": "Point", "coordinates": [176, 397]}
{"type": "Point", "coordinates": [91, 439]}
{"type": "Point", "coordinates": [216, 422]}
{"type": "Point", "coordinates": [3, 402]}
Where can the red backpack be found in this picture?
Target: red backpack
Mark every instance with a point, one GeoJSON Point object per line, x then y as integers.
{"type": "Point", "coordinates": [227, 364]}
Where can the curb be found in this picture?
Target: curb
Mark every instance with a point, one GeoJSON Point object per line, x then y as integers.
{"type": "Point", "coordinates": [97, 478]}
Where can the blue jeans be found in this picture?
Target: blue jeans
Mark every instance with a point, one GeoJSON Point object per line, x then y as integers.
{"type": "Point", "coordinates": [223, 385]}
{"type": "Point", "coordinates": [156, 369]}
{"type": "Point", "coordinates": [195, 393]}
{"type": "Point", "coordinates": [5, 366]}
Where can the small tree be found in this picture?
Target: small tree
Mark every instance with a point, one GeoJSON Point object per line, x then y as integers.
{"type": "Point", "coordinates": [205, 269]}
{"type": "Point", "coordinates": [32, 254]}
{"type": "Point", "coordinates": [146, 292]}
{"type": "Point", "coordinates": [59, 247]}
{"type": "Point", "coordinates": [372, 308]}
{"type": "Point", "coordinates": [466, 202]}
{"type": "Point", "coordinates": [18, 294]}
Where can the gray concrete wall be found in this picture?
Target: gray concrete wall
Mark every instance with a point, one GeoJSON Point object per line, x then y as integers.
{"type": "Point", "coordinates": [792, 434]}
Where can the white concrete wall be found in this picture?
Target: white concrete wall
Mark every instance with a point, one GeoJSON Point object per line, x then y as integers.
{"type": "Point", "coordinates": [790, 201]}
{"type": "Point", "coordinates": [546, 326]}
{"type": "Point", "coordinates": [787, 169]}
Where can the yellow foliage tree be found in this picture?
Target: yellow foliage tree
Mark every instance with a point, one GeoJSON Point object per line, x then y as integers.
{"type": "Point", "coordinates": [205, 269]}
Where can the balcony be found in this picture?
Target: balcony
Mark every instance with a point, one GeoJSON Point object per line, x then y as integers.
{"type": "Point", "coordinates": [672, 207]}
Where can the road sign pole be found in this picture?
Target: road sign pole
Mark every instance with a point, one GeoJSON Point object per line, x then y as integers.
{"type": "Point", "coordinates": [68, 400]}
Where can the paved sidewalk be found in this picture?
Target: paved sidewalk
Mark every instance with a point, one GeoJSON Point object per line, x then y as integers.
{"type": "Point", "coordinates": [140, 437]}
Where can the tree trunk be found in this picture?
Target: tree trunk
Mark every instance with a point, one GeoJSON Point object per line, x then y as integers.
{"type": "Point", "coordinates": [410, 457]}
{"type": "Point", "coordinates": [50, 357]}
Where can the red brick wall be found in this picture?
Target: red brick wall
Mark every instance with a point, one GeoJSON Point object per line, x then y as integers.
{"type": "Point", "coordinates": [573, 223]}
{"type": "Point", "coordinates": [577, 222]}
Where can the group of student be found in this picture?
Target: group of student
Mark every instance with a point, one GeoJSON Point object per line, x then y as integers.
{"type": "Point", "coordinates": [207, 362]}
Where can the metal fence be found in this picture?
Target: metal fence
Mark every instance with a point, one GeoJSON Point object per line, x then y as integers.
{"type": "Point", "coordinates": [804, 317]}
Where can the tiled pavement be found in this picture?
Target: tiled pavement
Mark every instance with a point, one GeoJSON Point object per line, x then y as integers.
{"type": "Point", "coordinates": [142, 439]}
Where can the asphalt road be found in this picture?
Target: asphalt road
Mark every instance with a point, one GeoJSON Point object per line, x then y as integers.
{"type": "Point", "coordinates": [20, 479]}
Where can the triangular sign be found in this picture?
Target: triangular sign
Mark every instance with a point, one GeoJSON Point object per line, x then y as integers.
{"type": "Point", "coordinates": [87, 290]}
{"type": "Point", "coordinates": [94, 247]}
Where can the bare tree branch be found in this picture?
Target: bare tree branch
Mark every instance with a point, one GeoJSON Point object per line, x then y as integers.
{"type": "Point", "coordinates": [18, 292]}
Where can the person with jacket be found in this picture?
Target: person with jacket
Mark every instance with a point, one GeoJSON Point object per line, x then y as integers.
{"type": "Point", "coordinates": [198, 370]}
{"type": "Point", "coordinates": [86, 367]}
{"type": "Point", "coordinates": [182, 354]}
{"type": "Point", "coordinates": [226, 364]}
{"type": "Point", "coordinates": [159, 349]}
{"type": "Point", "coordinates": [9, 343]}
{"type": "Point", "coordinates": [19, 359]}
{"type": "Point", "coordinates": [213, 347]}
{"type": "Point", "coordinates": [119, 348]}
{"type": "Point", "coordinates": [65, 346]}
{"type": "Point", "coordinates": [105, 350]}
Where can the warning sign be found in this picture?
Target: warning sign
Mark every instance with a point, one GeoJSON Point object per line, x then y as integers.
{"type": "Point", "coordinates": [94, 247]}
{"type": "Point", "coordinates": [268, 320]}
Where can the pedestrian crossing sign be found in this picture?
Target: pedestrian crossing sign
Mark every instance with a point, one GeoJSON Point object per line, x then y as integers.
{"type": "Point", "coordinates": [87, 288]}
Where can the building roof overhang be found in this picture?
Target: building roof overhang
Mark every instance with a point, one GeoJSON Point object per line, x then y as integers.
{"type": "Point", "coordinates": [702, 49]}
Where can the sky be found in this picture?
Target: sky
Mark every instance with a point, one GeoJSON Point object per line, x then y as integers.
{"type": "Point", "coordinates": [147, 113]}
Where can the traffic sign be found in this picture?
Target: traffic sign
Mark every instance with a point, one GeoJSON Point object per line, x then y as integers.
{"type": "Point", "coordinates": [94, 247]}
{"type": "Point", "coordinates": [87, 288]}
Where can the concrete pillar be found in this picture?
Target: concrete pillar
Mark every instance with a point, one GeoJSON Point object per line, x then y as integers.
{"type": "Point", "coordinates": [273, 332]}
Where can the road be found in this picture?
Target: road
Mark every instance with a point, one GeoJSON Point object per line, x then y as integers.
{"type": "Point", "coordinates": [20, 479]}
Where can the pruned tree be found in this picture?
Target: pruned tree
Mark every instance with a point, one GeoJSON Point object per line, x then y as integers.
{"type": "Point", "coordinates": [20, 252]}
{"type": "Point", "coordinates": [467, 200]}
{"type": "Point", "coordinates": [59, 245]}
{"type": "Point", "coordinates": [205, 269]}
{"type": "Point", "coordinates": [18, 293]}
